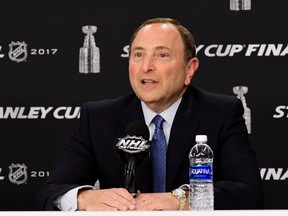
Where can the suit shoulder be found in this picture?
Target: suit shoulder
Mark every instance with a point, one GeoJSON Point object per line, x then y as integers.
{"type": "Point", "coordinates": [108, 104]}
{"type": "Point", "coordinates": [206, 98]}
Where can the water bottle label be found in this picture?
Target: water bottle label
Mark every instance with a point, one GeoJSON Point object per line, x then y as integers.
{"type": "Point", "coordinates": [203, 172]}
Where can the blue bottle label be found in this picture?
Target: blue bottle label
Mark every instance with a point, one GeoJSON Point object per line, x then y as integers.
{"type": "Point", "coordinates": [203, 172]}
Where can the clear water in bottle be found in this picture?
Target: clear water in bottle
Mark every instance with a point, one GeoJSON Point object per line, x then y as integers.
{"type": "Point", "coordinates": [201, 175]}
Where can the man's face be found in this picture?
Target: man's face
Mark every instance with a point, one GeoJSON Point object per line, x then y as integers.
{"type": "Point", "coordinates": [157, 72]}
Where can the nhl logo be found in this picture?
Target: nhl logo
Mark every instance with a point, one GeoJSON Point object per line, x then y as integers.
{"type": "Point", "coordinates": [17, 51]}
{"type": "Point", "coordinates": [18, 173]}
{"type": "Point", "coordinates": [133, 144]}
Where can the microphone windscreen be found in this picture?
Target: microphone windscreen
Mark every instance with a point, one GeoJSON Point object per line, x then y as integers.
{"type": "Point", "coordinates": [137, 128]}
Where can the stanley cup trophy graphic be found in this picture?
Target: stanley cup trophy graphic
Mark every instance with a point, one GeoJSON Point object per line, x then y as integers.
{"type": "Point", "coordinates": [237, 5]}
{"type": "Point", "coordinates": [89, 56]}
{"type": "Point", "coordinates": [240, 91]}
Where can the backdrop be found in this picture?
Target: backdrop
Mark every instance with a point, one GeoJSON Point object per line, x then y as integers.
{"type": "Point", "coordinates": [239, 43]}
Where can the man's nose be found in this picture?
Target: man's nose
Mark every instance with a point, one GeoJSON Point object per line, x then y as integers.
{"type": "Point", "coordinates": [148, 64]}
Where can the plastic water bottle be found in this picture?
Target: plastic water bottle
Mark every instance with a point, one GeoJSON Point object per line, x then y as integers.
{"type": "Point", "coordinates": [201, 175]}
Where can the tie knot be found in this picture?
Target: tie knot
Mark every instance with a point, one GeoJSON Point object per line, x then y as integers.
{"type": "Point", "coordinates": [158, 121]}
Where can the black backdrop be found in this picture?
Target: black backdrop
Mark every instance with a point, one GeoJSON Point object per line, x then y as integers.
{"type": "Point", "coordinates": [41, 88]}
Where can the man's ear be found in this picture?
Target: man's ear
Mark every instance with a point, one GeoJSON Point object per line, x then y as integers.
{"type": "Point", "coordinates": [191, 68]}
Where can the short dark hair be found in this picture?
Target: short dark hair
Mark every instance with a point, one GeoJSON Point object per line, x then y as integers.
{"type": "Point", "coordinates": [186, 35]}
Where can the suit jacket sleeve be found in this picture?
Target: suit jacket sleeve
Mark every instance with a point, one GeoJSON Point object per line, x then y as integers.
{"type": "Point", "coordinates": [237, 181]}
{"type": "Point", "coordinates": [74, 168]}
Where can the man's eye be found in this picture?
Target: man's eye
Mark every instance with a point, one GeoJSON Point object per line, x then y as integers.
{"type": "Point", "coordinates": [163, 55]}
{"type": "Point", "coordinates": [138, 55]}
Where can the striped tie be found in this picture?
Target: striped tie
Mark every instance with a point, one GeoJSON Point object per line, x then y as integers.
{"type": "Point", "coordinates": [158, 156]}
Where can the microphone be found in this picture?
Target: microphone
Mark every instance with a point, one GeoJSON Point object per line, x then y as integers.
{"type": "Point", "coordinates": [132, 149]}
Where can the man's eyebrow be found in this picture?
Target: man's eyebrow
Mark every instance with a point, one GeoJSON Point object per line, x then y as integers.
{"type": "Point", "coordinates": [137, 48]}
{"type": "Point", "coordinates": [162, 48]}
{"type": "Point", "coordinates": [156, 48]}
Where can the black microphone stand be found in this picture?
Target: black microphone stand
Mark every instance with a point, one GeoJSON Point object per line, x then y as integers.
{"type": "Point", "coordinates": [129, 175]}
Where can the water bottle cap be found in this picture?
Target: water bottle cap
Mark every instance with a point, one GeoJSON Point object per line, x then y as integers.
{"type": "Point", "coordinates": [201, 138]}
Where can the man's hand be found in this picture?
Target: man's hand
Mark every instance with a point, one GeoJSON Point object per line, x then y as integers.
{"type": "Point", "coordinates": [156, 201]}
{"type": "Point", "coordinates": [105, 200]}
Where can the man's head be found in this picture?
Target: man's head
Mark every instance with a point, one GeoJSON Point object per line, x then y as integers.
{"type": "Point", "coordinates": [162, 62]}
{"type": "Point", "coordinates": [187, 37]}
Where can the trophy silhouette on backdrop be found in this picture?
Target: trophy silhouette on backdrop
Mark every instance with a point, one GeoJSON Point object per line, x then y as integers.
{"type": "Point", "coordinates": [240, 91]}
{"type": "Point", "coordinates": [89, 56]}
{"type": "Point", "coordinates": [237, 5]}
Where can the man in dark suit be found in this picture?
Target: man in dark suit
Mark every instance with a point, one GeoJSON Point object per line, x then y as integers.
{"type": "Point", "coordinates": [162, 63]}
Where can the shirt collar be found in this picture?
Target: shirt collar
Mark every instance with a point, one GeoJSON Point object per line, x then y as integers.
{"type": "Point", "coordinates": [168, 114]}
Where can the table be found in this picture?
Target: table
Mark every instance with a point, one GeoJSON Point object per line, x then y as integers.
{"type": "Point", "coordinates": [150, 213]}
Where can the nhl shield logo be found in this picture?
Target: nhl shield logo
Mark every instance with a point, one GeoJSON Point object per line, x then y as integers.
{"type": "Point", "coordinates": [18, 173]}
{"type": "Point", "coordinates": [18, 51]}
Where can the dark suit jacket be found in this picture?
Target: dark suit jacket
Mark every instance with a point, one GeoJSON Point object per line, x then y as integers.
{"type": "Point", "coordinates": [90, 155]}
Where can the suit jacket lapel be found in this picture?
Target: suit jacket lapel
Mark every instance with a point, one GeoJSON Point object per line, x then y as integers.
{"type": "Point", "coordinates": [182, 137]}
{"type": "Point", "coordinates": [133, 111]}
{"type": "Point", "coordinates": [143, 172]}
